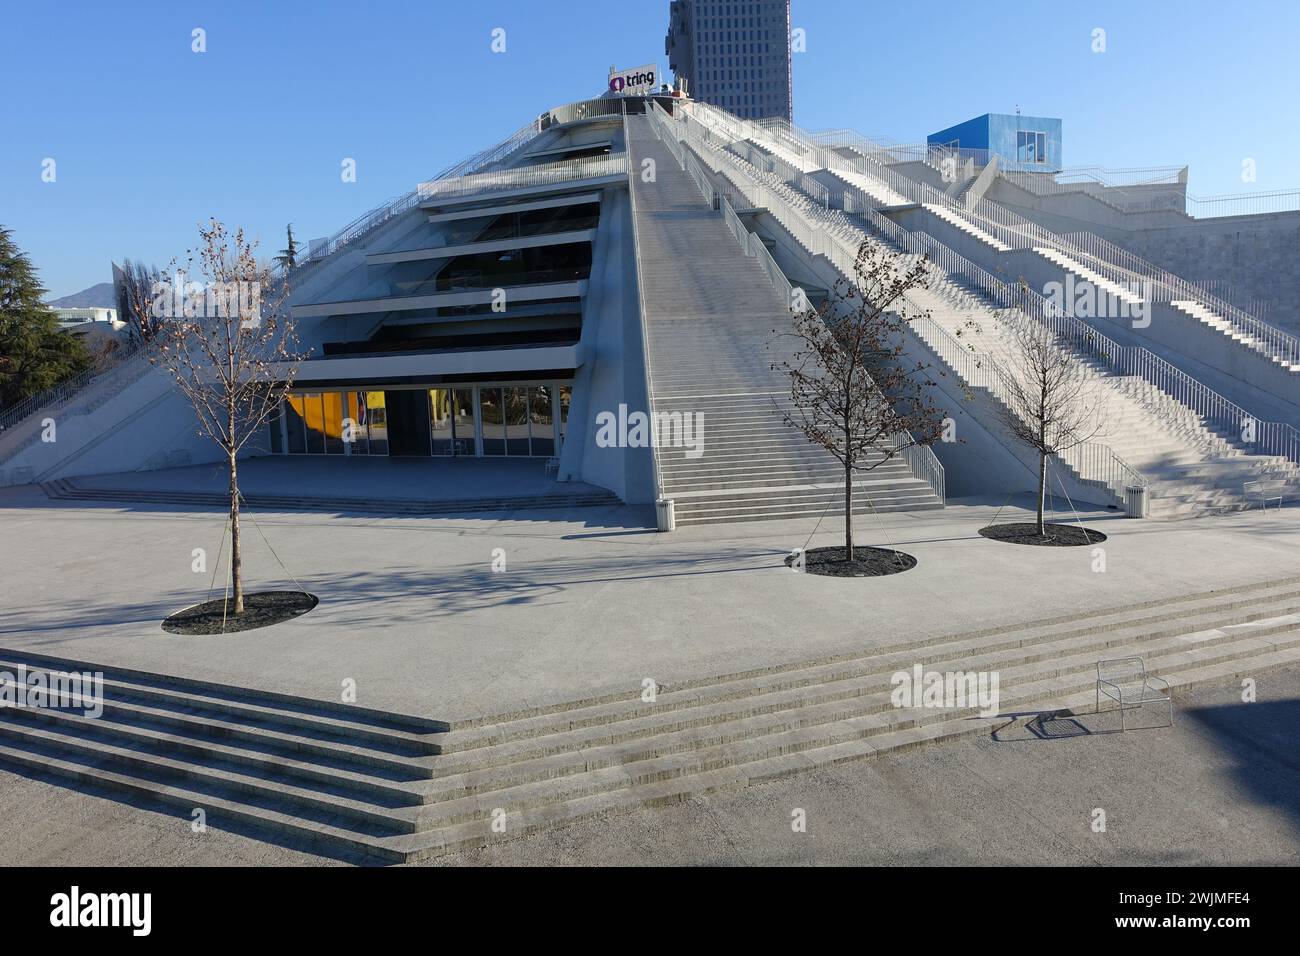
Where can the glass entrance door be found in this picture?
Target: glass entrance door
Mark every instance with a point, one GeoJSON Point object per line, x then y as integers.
{"type": "Point", "coordinates": [451, 422]}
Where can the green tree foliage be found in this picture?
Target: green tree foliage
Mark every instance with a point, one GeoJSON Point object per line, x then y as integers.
{"type": "Point", "coordinates": [34, 353]}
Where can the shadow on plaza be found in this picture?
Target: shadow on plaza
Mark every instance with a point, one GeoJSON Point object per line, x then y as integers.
{"type": "Point", "coordinates": [403, 594]}
{"type": "Point", "coordinates": [1259, 738]}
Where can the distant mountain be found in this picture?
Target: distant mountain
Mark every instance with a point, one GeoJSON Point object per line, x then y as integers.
{"type": "Point", "coordinates": [98, 296]}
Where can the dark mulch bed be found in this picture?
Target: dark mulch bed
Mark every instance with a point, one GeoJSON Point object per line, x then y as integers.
{"type": "Point", "coordinates": [261, 609]}
{"type": "Point", "coordinates": [1058, 535]}
{"type": "Point", "coordinates": [867, 562]}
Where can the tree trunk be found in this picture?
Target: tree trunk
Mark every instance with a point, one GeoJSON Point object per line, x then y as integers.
{"type": "Point", "coordinates": [236, 563]}
{"type": "Point", "coordinates": [848, 512]}
{"type": "Point", "coordinates": [1042, 491]}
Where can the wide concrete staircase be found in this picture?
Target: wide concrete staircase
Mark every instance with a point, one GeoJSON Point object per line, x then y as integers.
{"type": "Point", "coordinates": [24, 455]}
{"type": "Point", "coordinates": [715, 326]}
{"type": "Point", "coordinates": [1190, 468]}
{"type": "Point", "coordinates": [1268, 349]}
{"type": "Point", "coordinates": [401, 788]}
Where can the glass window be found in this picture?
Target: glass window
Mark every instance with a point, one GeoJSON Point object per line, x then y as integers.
{"type": "Point", "coordinates": [463, 424]}
{"type": "Point", "coordinates": [1031, 146]}
{"type": "Point", "coordinates": [541, 420]}
{"type": "Point", "coordinates": [333, 407]}
{"type": "Point", "coordinates": [516, 404]}
{"type": "Point", "coordinates": [273, 426]}
{"type": "Point", "coordinates": [566, 394]}
{"type": "Point", "coordinates": [493, 415]}
{"type": "Point", "coordinates": [377, 420]}
{"type": "Point", "coordinates": [441, 416]}
{"type": "Point", "coordinates": [294, 426]}
{"type": "Point", "coordinates": [313, 416]}
{"type": "Point", "coordinates": [358, 433]}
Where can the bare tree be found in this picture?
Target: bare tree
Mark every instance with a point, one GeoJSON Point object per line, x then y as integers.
{"type": "Point", "coordinates": [1045, 400]}
{"type": "Point", "coordinates": [853, 391]}
{"type": "Point", "coordinates": [229, 344]}
{"type": "Point", "coordinates": [133, 283]}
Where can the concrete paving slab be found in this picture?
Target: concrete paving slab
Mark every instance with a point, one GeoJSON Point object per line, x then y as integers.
{"type": "Point", "coordinates": [413, 612]}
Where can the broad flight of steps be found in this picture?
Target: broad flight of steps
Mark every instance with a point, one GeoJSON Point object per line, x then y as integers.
{"type": "Point", "coordinates": [793, 152]}
{"type": "Point", "coordinates": [1192, 469]}
{"type": "Point", "coordinates": [1215, 321]}
{"type": "Point", "coordinates": [711, 315]}
{"type": "Point", "coordinates": [350, 782]}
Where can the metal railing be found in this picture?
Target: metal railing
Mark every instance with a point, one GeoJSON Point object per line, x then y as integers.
{"type": "Point", "coordinates": [545, 174]}
{"type": "Point", "coordinates": [1116, 188]}
{"type": "Point", "coordinates": [1015, 231]}
{"type": "Point", "coordinates": [1186, 395]}
{"type": "Point", "coordinates": [1121, 265]}
{"type": "Point", "coordinates": [371, 220]}
{"type": "Point", "coordinates": [1099, 463]}
{"type": "Point", "coordinates": [495, 153]}
{"type": "Point", "coordinates": [921, 459]}
{"type": "Point", "coordinates": [923, 463]}
{"type": "Point", "coordinates": [1243, 204]}
{"type": "Point", "coordinates": [1118, 197]}
{"type": "Point", "coordinates": [583, 109]}
{"type": "Point", "coordinates": [656, 473]}
{"type": "Point", "coordinates": [103, 366]}
{"type": "Point", "coordinates": [891, 154]}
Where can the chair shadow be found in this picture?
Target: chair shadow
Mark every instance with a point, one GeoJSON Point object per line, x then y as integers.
{"type": "Point", "coordinates": [1066, 724]}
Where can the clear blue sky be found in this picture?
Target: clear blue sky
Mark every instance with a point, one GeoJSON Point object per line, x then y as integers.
{"type": "Point", "coordinates": [150, 138]}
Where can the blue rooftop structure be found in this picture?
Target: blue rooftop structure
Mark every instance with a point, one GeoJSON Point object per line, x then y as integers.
{"type": "Point", "coordinates": [1024, 143]}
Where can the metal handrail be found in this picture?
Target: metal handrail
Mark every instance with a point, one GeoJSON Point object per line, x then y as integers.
{"type": "Point", "coordinates": [1014, 230]}
{"type": "Point", "coordinates": [1109, 186]}
{"type": "Point", "coordinates": [656, 473]}
{"type": "Point", "coordinates": [1190, 395]}
{"type": "Point", "coordinates": [545, 174]}
{"type": "Point", "coordinates": [102, 366]}
{"type": "Point", "coordinates": [495, 153]}
{"type": "Point", "coordinates": [922, 460]}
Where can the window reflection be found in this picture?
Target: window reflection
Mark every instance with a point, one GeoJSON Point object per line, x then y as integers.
{"type": "Point", "coordinates": [493, 415]}
{"type": "Point", "coordinates": [333, 422]}
{"type": "Point", "coordinates": [465, 430]}
{"type": "Point", "coordinates": [566, 394]}
{"type": "Point", "coordinates": [377, 420]}
{"type": "Point", "coordinates": [274, 426]}
{"type": "Point", "coordinates": [295, 430]}
{"type": "Point", "coordinates": [441, 419]}
{"type": "Point", "coordinates": [516, 420]}
{"type": "Point", "coordinates": [516, 404]}
{"type": "Point", "coordinates": [359, 433]}
{"type": "Point", "coordinates": [541, 420]}
{"type": "Point", "coordinates": [311, 417]}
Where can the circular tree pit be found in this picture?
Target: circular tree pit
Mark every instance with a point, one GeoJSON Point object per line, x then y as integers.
{"type": "Point", "coordinates": [261, 609]}
{"type": "Point", "coordinates": [866, 563]}
{"type": "Point", "coordinates": [1056, 535]}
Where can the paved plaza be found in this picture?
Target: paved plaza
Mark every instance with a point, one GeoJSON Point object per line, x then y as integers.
{"type": "Point", "coordinates": [582, 602]}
